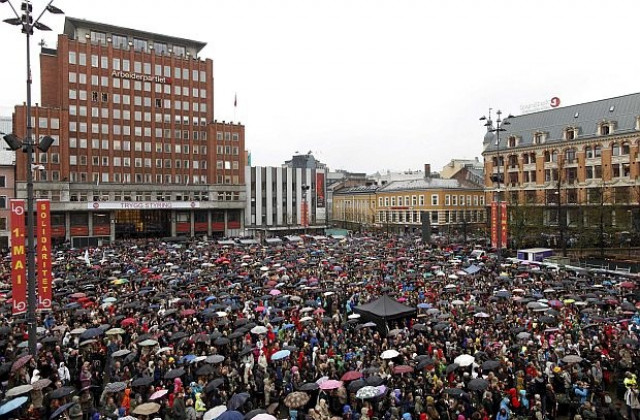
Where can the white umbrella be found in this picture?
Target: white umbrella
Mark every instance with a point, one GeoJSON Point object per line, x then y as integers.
{"type": "Point", "coordinates": [457, 302]}
{"type": "Point", "coordinates": [215, 412]}
{"type": "Point", "coordinates": [259, 329]}
{"type": "Point", "coordinates": [354, 316]}
{"type": "Point", "coordinates": [464, 360]}
{"type": "Point", "coordinates": [389, 354]}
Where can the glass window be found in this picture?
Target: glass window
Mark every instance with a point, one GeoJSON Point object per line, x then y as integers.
{"type": "Point", "coordinates": [139, 45]}
{"type": "Point", "coordinates": [119, 41]}
{"type": "Point", "coordinates": [72, 57]}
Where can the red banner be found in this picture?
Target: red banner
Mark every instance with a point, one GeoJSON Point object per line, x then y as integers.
{"type": "Point", "coordinates": [44, 255]}
{"type": "Point", "coordinates": [320, 201]}
{"type": "Point", "coordinates": [305, 214]}
{"type": "Point", "coordinates": [18, 257]}
{"type": "Point", "coordinates": [494, 224]}
{"type": "Point", "coordinates": [504, 216]}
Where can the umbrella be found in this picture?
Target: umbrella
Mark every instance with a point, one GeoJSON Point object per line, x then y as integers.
{"type": "Point", "coordinates": [454, 391]}
{"type": "Point", "coordinates": [389, 354]}
{"type": "Point", "coordinates": [143, 381]}
{"type": "Point", "coordinates": [148, 343]}
{"type": "Point", "coordinates": [213, 384]}
{"type": "Point", "coordinates": [214, 359]}
{"type": "Point", "coordinates": [115, 387]}
{"type": "Point", "coordinates": [158, 394]}
{"type": "Point", "coordinates": [174, 373]}
{"type": "Point", "coordinates": [351, 375]}
{"type": "Point", "coordinates": [330, 384]}
{"type": "Point", "coordinates": [11, 405]}
{"type": "Point", "coordinates": [402, 369]}
{"type": "Point", "coordinates": [62, 409]}
{"type": "Point", "coordinates": [119, 353]}
{"type": "Point", "coordinates": [146, 409]}
{"type": "Point", "coordinates": [280, 354]}
{"type": "Point", "coordinates": [115, 331]}
{"type": "Point", "coordinates": [91, 333]}
{"type": "Point", "coordinates": [356, 385]}
{"type": "Point", "coordinates": [41, 384]}
{"type": "Point", "coordinates": [262, 416]}
{"type": "Point", "coordinates": [310, 386]}
{"type": "Point", "coordinates": [367, 392]}
{"type": "Point", "coordinates": [572, 358]}
{"type": "Point", "coordinates": [478, 384]}
{"type": "Point", "coordinates": [296, 399]}
{"type": "Point", "coordinates": [451, 367]}
{"type": "Point", "coordinates": [18, 390]}
{"type": "Point", "coordinates": [205, 370]}
{"type": "Point", "coordinates": [464, 360]}
{"type": "Point", "coordinates": [20, 363]}
{"type": "Point", "coordinates": [523, 335]}
{"type": "Point", "coordinates": [490, 365]}
{"type": "Point", "coordinates": [221, 341]}
{"type": "Point", "coordinates": [215, 412]}
{"type": "Point", "coordinates": [254, 413]}
{"type": "Point", "coordinates": [231, 415]}
{"type": "Point", "coordinates": [374, 380]}
{"type": "Point", "coordinates": [237, 400]}
{"type": "Point", "coordinates": [61, 392]}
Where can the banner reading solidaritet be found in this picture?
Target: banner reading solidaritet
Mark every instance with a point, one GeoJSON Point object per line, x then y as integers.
{"type": "Point", "coordinates": [44, 254]}
{"type": "Point", "coordinates": [494, 224]}
{"type": "Point", "coordinates": [504, 225]}
{"type": "Point", "coordinates": [18, 257]}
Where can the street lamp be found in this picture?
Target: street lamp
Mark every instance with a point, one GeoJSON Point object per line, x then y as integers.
{"type": "Point", "coordinates": [27, 24]}
{"type": "Point", "coordinates": [497, 129]}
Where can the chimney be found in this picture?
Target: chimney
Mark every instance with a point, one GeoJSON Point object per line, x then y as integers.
{"type": "Point", "coordinates": [427, 170]}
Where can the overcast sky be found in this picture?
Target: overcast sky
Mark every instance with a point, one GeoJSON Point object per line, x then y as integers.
{"type": "Point", "coordinates": [373, 85]}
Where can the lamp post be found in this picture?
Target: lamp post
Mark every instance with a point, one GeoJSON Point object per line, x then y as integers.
{"type": "Point", "coordinates": [27, 25]}
{"type": "Point", "coordinates": [497, 129]}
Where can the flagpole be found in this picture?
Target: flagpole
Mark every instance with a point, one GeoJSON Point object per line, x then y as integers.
{"type": "Point", "coordinates": [235, 106]}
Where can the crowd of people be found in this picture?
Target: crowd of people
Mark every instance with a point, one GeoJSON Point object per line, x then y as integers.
{"type": "Point", "coordinates": [199, 330]}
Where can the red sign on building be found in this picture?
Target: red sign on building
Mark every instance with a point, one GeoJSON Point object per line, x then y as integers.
{"type": "Point", "coordinates": [320, 200]}
{"type": "Point", "coordinates": [18, 257]}
{"type": "Point", "coordinates": [44, 254]}
{"type": "Point", "coordinates": [503, 225]}
{"type": "Point", "coordinates": [494, 224]}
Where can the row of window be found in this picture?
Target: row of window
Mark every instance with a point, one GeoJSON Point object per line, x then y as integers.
{"type": "Point", "coordinates": [123, 42]}
{"type": "Point", "coordinates": [138, 85]}
{"type": "Point", "coordinates": [570, 154]}
{"type": "Point", "coordinates": [418, 200]}
{"type": "Point", "coordinates": [118, 114]}
{"type": "Point", "coordinates": [145, 101]}
{"type": "Point", "coordinates": [118, 161]}
{"type": "Point", "coordinates": [569, 133]}
{"type": "Point", "coordinates": [470, 216]}
{"type": "Point", "coordinates": [118, 64]}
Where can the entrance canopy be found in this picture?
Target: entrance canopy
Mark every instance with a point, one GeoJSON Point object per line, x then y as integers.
{"type": "Point", "coordinates": [385, 308]}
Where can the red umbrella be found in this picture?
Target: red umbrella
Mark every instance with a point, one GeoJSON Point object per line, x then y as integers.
{"type": "Point", "coordinates": [128, 321]}
{"type": "Point", "coordinates": [77, 295]}
{"type": "Point", "coordinates": [352, 375]}
{"type": "Point", "coordinates": [402, 369]}
{"type": "Point", "coordinates": [627, 285]}
{"type": "Point", "coordinates": [188, 312]}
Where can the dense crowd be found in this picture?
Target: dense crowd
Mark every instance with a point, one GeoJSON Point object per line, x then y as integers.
{"type": "Point", "coordinates": [196, 330]}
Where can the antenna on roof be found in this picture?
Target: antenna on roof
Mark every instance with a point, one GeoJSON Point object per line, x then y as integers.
{"type": "Point", "coordinates": [42, 43]}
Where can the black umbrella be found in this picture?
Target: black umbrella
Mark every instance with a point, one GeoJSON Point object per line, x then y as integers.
{"type": "Point", "coordinates": [237, 400]}
{"type": "Point", "coordinates": [478, 384]}
{"type": "Point", "coordinates": [245, 351]}
{"type": "Point", "coordinates": [214, 384]}
{"type": "Point", "coordinates": [142, 381]}
{"type": "Point", "coordinates": [174, 373]}
{"type": "Point", "coordinates": [312, 386]}
{"type": "Point", "coordinates": [61, 392]}
{"type": "Point", "coordinates": [205, 370]}
{"type": "Point", "coordinates": [452, 367]}
{"type": "Point", "coordinates": [221, 341]}
{"type": "Point", "coordinates": [62, 409]}
{"type": "Point", "coordinates": [354, 386]}
{"type": "Point", "coordinates": [424, 363]}
{"type": "Point", "coordinates": [374, 380]}
{"type": "Point", "coordinates": [454, 391]}
{"type": "Point", "coordinates": [91, 333]}
{"type": "Point", "coordinates": [177, 336]}
{"type": "Point", "coordinates": [490, 365]}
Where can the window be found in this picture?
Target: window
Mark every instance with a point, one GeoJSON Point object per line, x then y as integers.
{"type": "Point", "coordinates": [605, 129]}
{"type": "Point", "coordinates": [119, 41]}
{"type": "Point", "coordinates": [570, 155]}
{"type": "Point", "coordinates": [179, 51]}
{"type": "Point", "coordinates": [434, 199]}
{"type": "Point", "coordinates": [570, 133]}
{"type": "Point", "coordinates": [3, 201]}
{"type": "Point", "coordinates": [72, 57]}
{"type": "Point", "coordinates": [139, 45]}
{"type": "Point", "coordinates": [447, 200]}
{"type": "Point", "coordinates": [160, 48]}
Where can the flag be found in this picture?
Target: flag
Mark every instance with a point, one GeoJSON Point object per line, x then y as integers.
{"type": "Point", "coordinates": [235, 100]}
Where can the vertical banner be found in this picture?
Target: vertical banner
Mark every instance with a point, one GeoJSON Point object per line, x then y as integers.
{"type": "Point", "coordinates": [305, 213]}
{"type": "Point", "coordinates": [18, 257]}
{"type": "Point", "coordinates": [320, 199]}
{"type": "Point", "coordinates": [504, 217]}
{"type": "Point", "coordinates": [494, 224]}
{"type": "Point", "coordinates": [43, 223]}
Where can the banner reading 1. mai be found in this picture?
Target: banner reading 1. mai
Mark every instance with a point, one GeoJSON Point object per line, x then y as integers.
{"type": "Point", "coordinates": [43, 224]}
{"type": "Point", "coordinates": [18, 258]}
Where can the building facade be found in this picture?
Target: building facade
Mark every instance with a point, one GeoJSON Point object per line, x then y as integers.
{"type": "Point", "coordinates": [574, 168]}
{"type": "Point", "coordinates": [278, 196]}
{"type": "Point", "coordinates": [137, 151]}
{"type": "Point", "coordinates": [450, 206]}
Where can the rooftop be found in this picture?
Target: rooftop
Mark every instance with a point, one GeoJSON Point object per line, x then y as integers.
{"type": "Point", "coordinates": [423, 184]}
{"type": "Point", "coordinates": [71, 24]}
{"type": "Point", "coordinates": [622, 110]}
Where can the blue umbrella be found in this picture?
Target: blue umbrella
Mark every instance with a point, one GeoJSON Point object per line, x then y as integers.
{"type": "Point", "coordinates": [280, 354]}
{"type": "Point", "coordinates": [287, 326]}
{"type": "Point", "coordinates": [236, 401]}
{"type": "Point", "coordinates": [91, 333]}
{"type": "Point", "coordinates": [12, 405]}
{"type": "Point", "coordinates": [62, 409]}
{"type": "Point", "coordinates": [231, 415]}
{"type": "Point", "coordinates": [424, 306]}
{"type": "Point", "coordinates": [210, 298]}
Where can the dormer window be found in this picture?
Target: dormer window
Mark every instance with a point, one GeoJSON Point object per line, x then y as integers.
{"type": "Point", "coordinates": [570, 133]}
{"type": "Point", "coordinates": [605, 129]}
{"type": "Point", "coordinates": [512, 141]}
{"type": "Point", "coordinates": [538, 137]}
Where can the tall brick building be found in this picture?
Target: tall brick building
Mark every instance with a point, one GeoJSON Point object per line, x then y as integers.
{"type": "Point", "coordinates": [137, 151]}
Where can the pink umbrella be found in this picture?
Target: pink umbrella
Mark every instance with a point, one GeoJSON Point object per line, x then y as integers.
{"type": "Point", "coordinates": [402, 369]}
{"type": "Point", "coordinates": [330, 384]}
{"type": "Point", "coordinates": [188, 312]}
{"type": "Point", "coordinates": [158, 394]}
{"type": "Point", "coordinates": [275, 292]}
{"type": "Point", "coordinates": [259, 308]}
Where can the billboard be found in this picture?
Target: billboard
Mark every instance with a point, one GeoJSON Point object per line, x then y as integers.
{"type": "Point", "coordinates": [320, 196]}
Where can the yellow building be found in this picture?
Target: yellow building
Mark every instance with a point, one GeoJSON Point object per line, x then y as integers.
{"type": "Point", "coordinates": [449, 204]}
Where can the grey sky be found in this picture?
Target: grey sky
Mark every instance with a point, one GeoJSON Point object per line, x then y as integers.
{"type": "Point", "coordinates": [370, 84]}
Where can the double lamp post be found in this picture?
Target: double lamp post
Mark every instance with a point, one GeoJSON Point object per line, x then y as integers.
{"type": "Point", "coordinates": [27, 24]}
